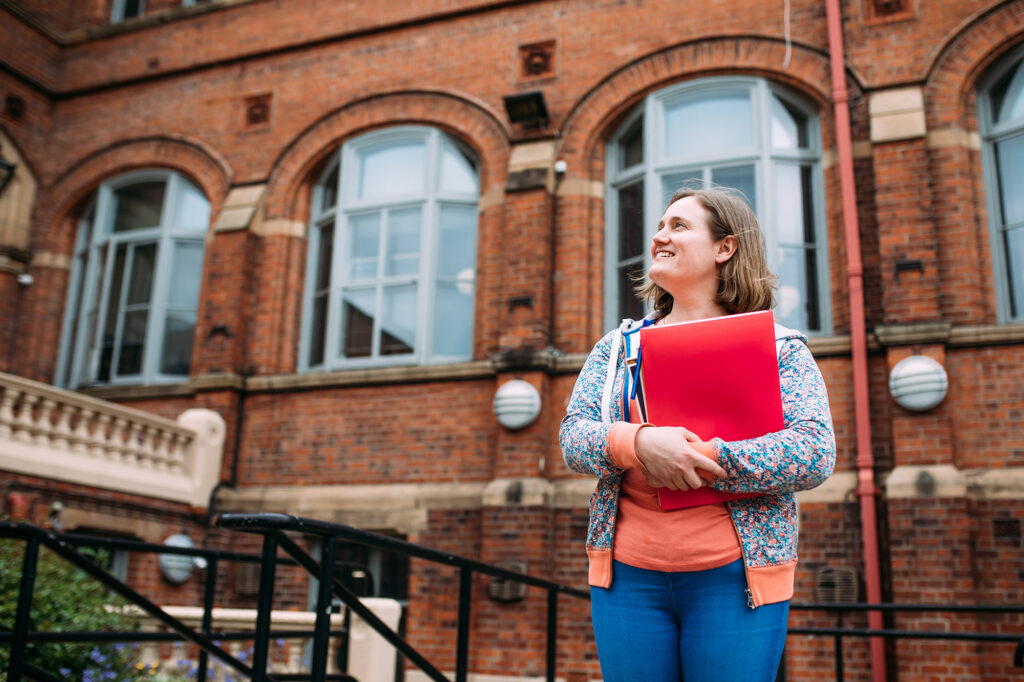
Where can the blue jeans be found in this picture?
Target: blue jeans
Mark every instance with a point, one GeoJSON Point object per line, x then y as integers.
{"type": "Point", "coordinates": [693, 626]}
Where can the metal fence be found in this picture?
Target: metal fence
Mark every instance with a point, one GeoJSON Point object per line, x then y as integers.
{"type": "Point", "coordinates": [275, 530]}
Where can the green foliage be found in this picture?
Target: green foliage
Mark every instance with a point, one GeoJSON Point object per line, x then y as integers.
{"type": "Point", "coordinates": [67, 599]}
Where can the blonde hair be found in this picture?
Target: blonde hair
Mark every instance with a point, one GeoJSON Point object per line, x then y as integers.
{"type": "Point", "coordinates": [745, 284]}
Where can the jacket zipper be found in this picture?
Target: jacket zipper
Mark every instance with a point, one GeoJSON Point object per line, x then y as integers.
{"type": "Point", "coordinates": [743, 553]}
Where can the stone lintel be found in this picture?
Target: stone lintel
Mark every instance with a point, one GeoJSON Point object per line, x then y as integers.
{"type": "Point", "coordinates": [907, 334]}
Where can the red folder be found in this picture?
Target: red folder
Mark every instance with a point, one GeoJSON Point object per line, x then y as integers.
{"type": "Point", "coordinates": [717, 377]}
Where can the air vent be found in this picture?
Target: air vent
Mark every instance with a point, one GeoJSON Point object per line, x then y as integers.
{"type": "Point", "coordinates": [247, 579]}
{"type": "Point", "coordinates": [836, 585]}
{"type": "Point", "coordinates": [1007, 531]}
{"type": "Point", "coordinates": [504, 590]}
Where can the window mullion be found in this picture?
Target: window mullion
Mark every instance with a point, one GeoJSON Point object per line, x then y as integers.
{"type": "Point", "coordinates": [126, 278]}
{"type": "Point", "coordinates": [334, 322]}
{"type": "Point", "coordinates": [163, 266]}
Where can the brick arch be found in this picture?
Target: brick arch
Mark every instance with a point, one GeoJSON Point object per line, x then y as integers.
{"type": "Point", "coordinates": [472, 122]}
{"type": "Point", "coordinates": [595, 113]}
{"type": "Point", "coordinates": [963, 59]}
{"type": "Point", "coordinates": [200, 163]}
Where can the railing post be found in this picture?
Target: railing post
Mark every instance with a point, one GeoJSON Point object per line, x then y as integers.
{"type": "Point", "coordinates": [21, 618]}
{"type": "Point", "coordinates": [209, 590]}
{"type": "Point", "coordinates": [838, 647]}
{"type": "Point", "coordinates": [264, 606]}
{"type": "Point", "coordinates": [322, 629]}
{"type": "Point", "coordinates": [462, 646]}
{"type": "Point", "coordinates": [552, 633]}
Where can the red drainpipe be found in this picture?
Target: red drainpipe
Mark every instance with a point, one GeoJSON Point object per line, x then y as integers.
{"type": "Point", "coordinates": [866, 489]}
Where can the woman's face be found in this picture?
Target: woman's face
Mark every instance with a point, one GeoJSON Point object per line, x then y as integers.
{"type": "Point", "coordinates": [683, 253]}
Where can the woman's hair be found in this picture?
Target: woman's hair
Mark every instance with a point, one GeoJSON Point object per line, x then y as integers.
{"type": "Point", "coordinates": [745, 284]}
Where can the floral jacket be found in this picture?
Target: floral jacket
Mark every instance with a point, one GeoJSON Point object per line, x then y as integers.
{"type": "Point", "coordinates": [799, 457]}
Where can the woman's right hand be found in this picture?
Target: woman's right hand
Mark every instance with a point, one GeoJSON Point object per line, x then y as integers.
{"type": "Point", "coordinates": [669, 460]}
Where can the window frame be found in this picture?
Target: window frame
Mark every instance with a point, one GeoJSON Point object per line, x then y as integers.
{"type": "Point", "coordinates": [347, 204]}
{"type": "Point", "coordinates": [96, 246]}
{"type": "Point", "coordinates": [762, 155]}
{"type": "Point", "coordinates": [990, 135]}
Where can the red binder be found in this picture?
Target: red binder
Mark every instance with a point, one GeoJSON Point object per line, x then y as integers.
{"type": "Point", "coordinates": [717, 377]}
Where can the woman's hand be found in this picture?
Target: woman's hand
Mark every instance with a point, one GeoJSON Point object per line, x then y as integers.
{"type": "Point", "coordinates": [668, 459]}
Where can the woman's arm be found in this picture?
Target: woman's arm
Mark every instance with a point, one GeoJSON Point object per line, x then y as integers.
{"type": "Point", "coordinates": [799, 457]}
{"type": "Point", "coordinates": [583, 436]}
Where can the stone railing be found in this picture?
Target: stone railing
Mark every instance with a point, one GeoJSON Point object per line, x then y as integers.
{"type": "Point", "coordinates": [54, 433]}
{"type": "Point", "coordinates": [370, 658]}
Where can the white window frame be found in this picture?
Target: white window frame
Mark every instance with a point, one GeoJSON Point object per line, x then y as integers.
{"type": "Point", "coordinates": [761, 154]}
{"type": "Point", "coordinates": [347, 205]}
{"type": "Point", "coordinates": [990, 135]}
{"type": "Point", "coordinates": [78, 363]}
{"type": "Point", "coordinates": [117, 11]}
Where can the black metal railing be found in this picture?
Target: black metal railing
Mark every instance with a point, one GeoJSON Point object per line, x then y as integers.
{"type": "Point", "coordinates": [275, 530]}
{"type": "Point", "coordinates": [841, 631]}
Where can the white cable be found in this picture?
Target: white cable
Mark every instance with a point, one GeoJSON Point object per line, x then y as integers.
{"type": "Point", "coordinates": [788, 38]}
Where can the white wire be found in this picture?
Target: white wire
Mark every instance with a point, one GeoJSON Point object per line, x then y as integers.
{"type": "Point", "coordinates": [789, 39]}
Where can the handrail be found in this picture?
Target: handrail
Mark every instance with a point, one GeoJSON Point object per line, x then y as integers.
{"type": "Point", "coordinates": [275, 529]}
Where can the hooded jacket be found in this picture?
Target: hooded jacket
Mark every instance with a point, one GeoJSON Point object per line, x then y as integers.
{"type": "Point", "coordinates": [799, 457]}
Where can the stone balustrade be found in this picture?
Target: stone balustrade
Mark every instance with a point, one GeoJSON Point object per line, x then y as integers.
{"type": "Point", "coordinates": [54, 433]}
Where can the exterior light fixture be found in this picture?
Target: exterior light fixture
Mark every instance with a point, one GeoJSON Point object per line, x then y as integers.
{"type": "Point", "coordinates": [516, 404]}
{"type": "Point", "coordinates": [528, 109]}
{"type": "Point", "coordinates": [918, 383]}
{"type": "Point", "coordinates": [6, 172]}
{"type": "Point", "coordinates": [177, 568]}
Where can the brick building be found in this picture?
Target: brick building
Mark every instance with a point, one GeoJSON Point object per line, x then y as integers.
{"type": "Point", "coordinates": [317, 220]}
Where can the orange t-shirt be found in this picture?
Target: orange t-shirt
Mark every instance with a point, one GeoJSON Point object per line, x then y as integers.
{"type": "Point", "coordinates": [691, 539]}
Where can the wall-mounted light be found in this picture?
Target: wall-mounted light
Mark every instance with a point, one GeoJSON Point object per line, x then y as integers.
{"type": "Point", "coordinates": [177, 568]}
{"type": "Point", "coordinates": [528, 109]}
{"type": "Point", "coordinates": [918, 383]}
{"type": "Point", "coordinates": [516, 404]}
{"type": "Point", "coordinates": [6, 172]}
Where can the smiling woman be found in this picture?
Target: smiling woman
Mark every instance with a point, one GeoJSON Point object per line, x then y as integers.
{"type": "Point", "coordinates": [672, 592]}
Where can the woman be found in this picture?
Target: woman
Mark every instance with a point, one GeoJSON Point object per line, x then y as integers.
{"type": "Point", "coordinates": [700, 593]}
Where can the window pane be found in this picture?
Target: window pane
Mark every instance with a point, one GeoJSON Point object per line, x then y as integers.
{"type": "Point", "coordinates": [1008, 95]}
{"type": "Point", "coordinates": [141, 283]}
{"type": "Point", "coordinates": [398, 320]}
{"type": "Point", "coordinates": [357, 313]}
{"type": "Point", "coordinates": [193, 210]}
{"type": "Point", "coordinates": [1010, 168]}
{"type": "Point", "coordinates": [458, 172]}
{"type": "Point", "coordinates": [322, 276]}
{"type": "Point", "coordinates": [1015, 268]}
{"type": "Point", "coordinates": [329, 190]}
{"type": "Point", "coordinates": [798, 289]}
{"type": "Point", "coordinates": [132, 8]}
{"type": "Point", "coordinates": [392, 168]}
{"type": "Point", "coordinates": [113, 309]}
{"type": "Point", "coordinates": [364, 243]}
{"type": "Point", "coordinates": [630, 304]}
{"type": "Point", "coordinates": [453, 319]}
{"type": "Point", "coordinates": [794, 204]}
{"type": "Point", "coordinates": [673, 181]}
{"type": "Point", "coordinates": [138, 206]}
{"type": "Point", "coordinates": [738, 177]}
{"type": "Point", "coordinates": [789, 126]}
{"type": "Point", "coordinates": [712, 125]}
{"type": "Point", "coordinates": [186, 275]}
{"type": "Point", "coordinates": [631, 221]}
{"type": "Point", "coordinates": [318, 330]}
{"type": "Point", "coordinates": [456, 242]}
{"type": "Point", "coordinates": [631, 148]}
{"type": "Point", "coordinates": [133, 339]}
{"type": "Point", "coordinates": [403, 242]}
{"type": "Point", "coordinates": [179, 328]}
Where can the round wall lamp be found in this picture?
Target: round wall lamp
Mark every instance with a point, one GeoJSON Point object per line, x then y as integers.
{"type": "Point", "coordinates": [918, 383]}
{"type": "Point", "coordinates": [177, 568]}
{"type": "Point", "coordinates": [516, 404]}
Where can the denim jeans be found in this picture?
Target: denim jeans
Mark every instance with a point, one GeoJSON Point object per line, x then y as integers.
{"type": "Point", "coordinates": [693, 626]}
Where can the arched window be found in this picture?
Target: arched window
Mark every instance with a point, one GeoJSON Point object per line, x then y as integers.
{"type": "Point", "coordinates": [1001, 116]}
{"type": "Point", "coordinates": [134, 291]}
{"type": "Point", "coordinates": [392, 253]}
{"type": "Point", "coordinates": [745, 133]}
